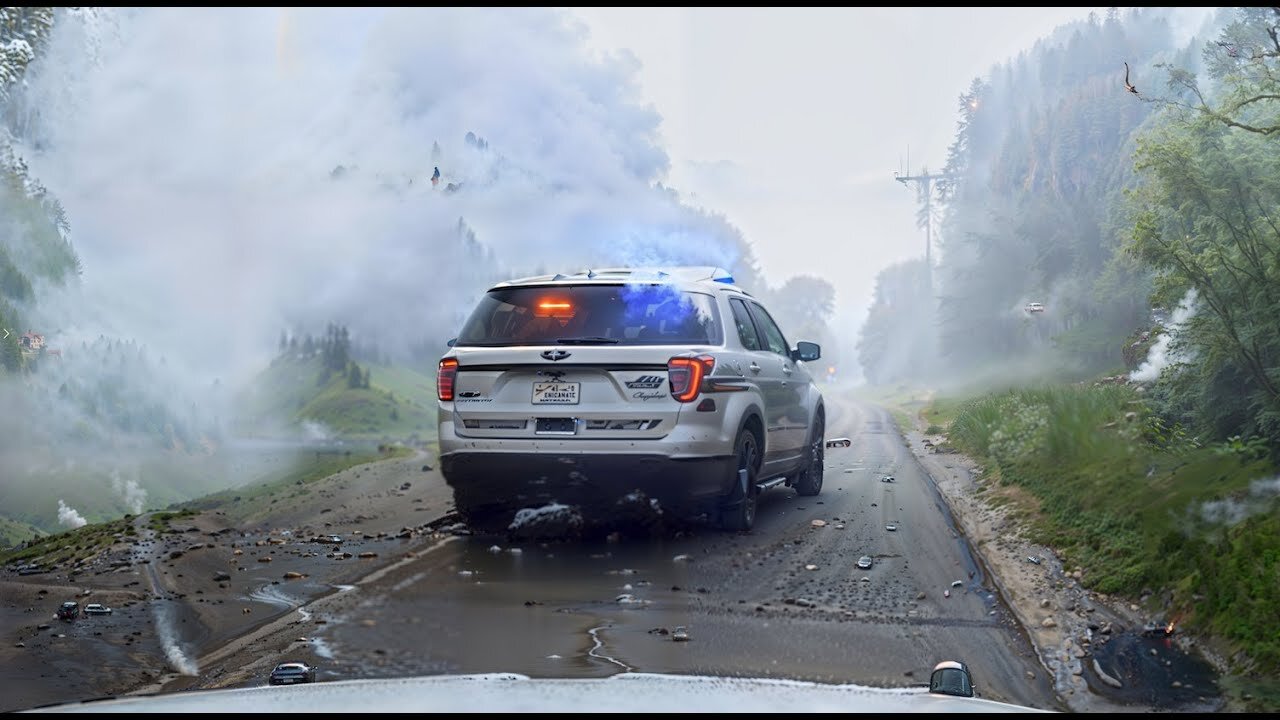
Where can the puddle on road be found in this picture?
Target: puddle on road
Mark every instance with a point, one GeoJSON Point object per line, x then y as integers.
{"type": "Point", "coordinates": [1154, 672]}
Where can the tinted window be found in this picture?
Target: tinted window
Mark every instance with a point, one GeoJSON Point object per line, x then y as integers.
{"type": "Point", "coordinates": [772, 334]}
{"type": "Point", "coordinates": [746, 328]}
{"type": "Point", "coordinates": [628, 314]}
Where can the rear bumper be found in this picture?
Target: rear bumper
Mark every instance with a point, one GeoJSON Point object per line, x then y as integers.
{"type": "Point", "coordinates": [598, 484]}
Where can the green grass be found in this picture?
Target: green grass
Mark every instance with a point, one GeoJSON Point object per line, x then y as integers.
{"type": "Point", "coordinates": [1136, 512]}
{"type": "Point", "coordinates": [160, 521]}
{"type": "Point", "coordinates": [399, 403]}
{"type": "Point", "coordinates": [70, 546]}
{"type": "Point", "coordinates": [238, 503]}
{"type": "Point", "coordinates": [903, 402]}
{"type": "Point", "coordinates": [940, 413]}
{"type": "Point", "coordinates": [243, 503]}
{"type": "Point", "coordinates": [90, 481]}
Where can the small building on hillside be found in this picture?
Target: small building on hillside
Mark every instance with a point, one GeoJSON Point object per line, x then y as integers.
{"type": "Point", "coordinates": [31, 342]}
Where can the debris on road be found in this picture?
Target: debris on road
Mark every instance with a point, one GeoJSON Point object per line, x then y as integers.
{"type": "Point", "coordinates": [839, 442]}
{"type": "Point", "coordinates": [810, 566]}
{"type": "Point", "coordinates": [956, 583]}
{"type": "Point", "coordinates": [818, 523]}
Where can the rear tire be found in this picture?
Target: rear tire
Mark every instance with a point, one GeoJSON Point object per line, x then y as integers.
{"type": "Point", "coordinates": [739, 513]}
{"type": "Point", "coordinates": [809, 480]}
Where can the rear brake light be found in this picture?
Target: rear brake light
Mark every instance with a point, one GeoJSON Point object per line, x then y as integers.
{"type": "Point", "coordinates": [445, 376]}
{"type": "Point", "coordinates": [685, 374]}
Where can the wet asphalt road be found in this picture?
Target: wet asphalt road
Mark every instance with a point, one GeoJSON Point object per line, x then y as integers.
{"type": "Point", "coordinates": [748, 602]}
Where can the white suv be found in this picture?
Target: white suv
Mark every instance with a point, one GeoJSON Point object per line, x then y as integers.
{"type": "Point", "coordinates": [605, 387]}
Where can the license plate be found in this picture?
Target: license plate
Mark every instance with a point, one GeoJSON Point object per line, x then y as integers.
{"type": "Point", "coordinates": [555, 393]}
{"type": "Point", "coordinates": [557, 426]}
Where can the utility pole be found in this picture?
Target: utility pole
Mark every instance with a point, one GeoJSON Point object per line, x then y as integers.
{"type": "Point", "coordinates": [924, 184]}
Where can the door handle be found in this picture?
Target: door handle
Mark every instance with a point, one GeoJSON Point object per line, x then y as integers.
{"type": "Point", "coordinates": [753, 368]}
{"type": "Point", "coordinates": [787, 369]}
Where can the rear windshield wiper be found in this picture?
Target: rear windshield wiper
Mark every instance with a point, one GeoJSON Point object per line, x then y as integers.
{"type": "Point", "coordinates": [588, 340]}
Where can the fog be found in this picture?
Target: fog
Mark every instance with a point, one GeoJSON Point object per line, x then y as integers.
{"type": "Point", "coordinates": [229, 175]}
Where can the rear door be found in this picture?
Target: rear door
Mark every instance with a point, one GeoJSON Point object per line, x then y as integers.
{"type": "Point", "coordinates": [793, 383]}
{"type": "Point", "coordinates": [760, 367]}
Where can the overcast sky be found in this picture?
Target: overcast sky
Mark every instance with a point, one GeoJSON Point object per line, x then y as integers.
{"type": "Point", "coordinates": [791, 121]}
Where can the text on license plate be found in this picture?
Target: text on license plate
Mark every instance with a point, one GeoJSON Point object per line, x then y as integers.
{"type": "Point", "coordinates": [555, 393]}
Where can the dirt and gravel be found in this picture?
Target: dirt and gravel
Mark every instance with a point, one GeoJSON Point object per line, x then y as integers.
{"type": "Point", "coordinates": [208, 585]}
{"type": "Point", "coordinates": [218, 601]}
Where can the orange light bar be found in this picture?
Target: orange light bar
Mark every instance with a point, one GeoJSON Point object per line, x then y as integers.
{"type": "Point", "coordinates": [554, 309]}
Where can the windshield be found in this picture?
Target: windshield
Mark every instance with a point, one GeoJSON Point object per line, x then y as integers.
{"type": "Point", "coordinates": [593, 314]}
{"type": "Point", "coordinates": [596, 359]}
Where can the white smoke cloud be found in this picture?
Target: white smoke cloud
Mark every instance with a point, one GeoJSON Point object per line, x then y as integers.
{"type": "Point", "coordinates": [69, 516]}
{"type": "Point", "coordinates": [1159, 356]}
{"type": "Point", "coordinates": [229, 173]}
{"type": "Point", "coordinates": [133, 494]}
{"type": "Point", "coordinates": [316, 431]}
{"type": "Point", "coordinates": [1232, 510]}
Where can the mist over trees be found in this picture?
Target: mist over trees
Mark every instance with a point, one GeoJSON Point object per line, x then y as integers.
{"type": "Point", "coordinates": [891, 346]}
{"type": "Point", "coordinates": [1111, 208]}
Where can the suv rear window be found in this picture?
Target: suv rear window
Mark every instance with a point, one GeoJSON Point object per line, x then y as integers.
{"type": "Point", "coordinates": [593, 314]}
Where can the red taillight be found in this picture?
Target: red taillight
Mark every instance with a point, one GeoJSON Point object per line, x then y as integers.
{"type": "Point", "coordinates": [444, 378]}
{"type": "Point", "coordinates": [685, 374]}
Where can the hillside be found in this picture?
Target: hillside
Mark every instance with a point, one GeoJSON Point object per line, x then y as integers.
{"type": "Point", "coordinates": [13, 532]}
{"type": "Point", "coordinates": [297, 394]}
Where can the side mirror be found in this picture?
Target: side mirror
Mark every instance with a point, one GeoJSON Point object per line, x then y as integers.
{"type": "Point", "coordinates": [806, 351]}
{"type": "Point", "coordinates": [452, 342]}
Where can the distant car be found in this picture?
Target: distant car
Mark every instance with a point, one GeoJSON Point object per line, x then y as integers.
{"type": "Point", "coordinates": [1034, 307]}
{"type": "Point", "coordinates": [96, 609]}
{"type": "Point", "coordinates": [292, 672]}
{"type": "Point", "coordinates": [891, 527]}
{"type": "Point", "coordinates": [69, 610]}
{"type": "Point", "coordinates": [864, 562]}
{"type": "Point", "coordinates": [887, 478]}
